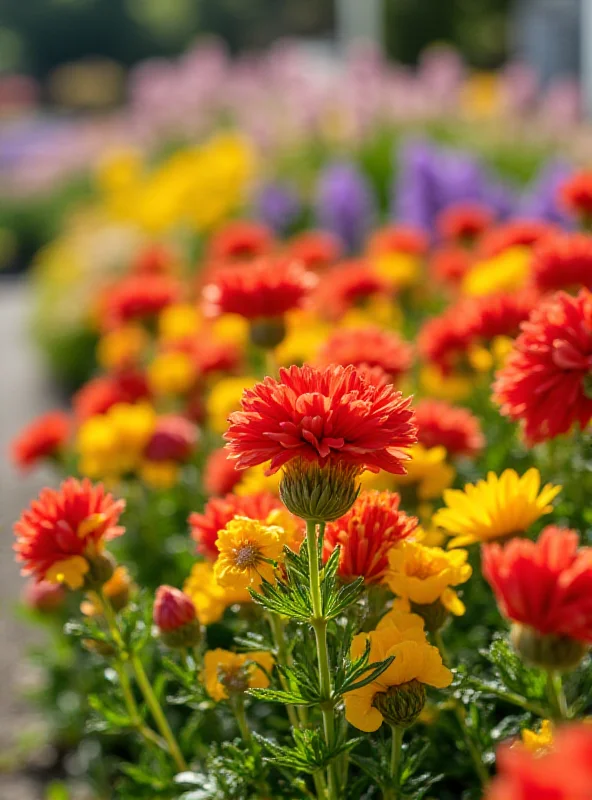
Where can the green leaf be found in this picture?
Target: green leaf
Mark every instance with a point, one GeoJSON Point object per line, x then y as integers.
{"type": "Point", "coordinates": [281, 696]}
{"type": "Point", "coordinates": [310, 753]}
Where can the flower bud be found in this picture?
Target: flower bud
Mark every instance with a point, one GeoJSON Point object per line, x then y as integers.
{"type": "Point", "coordinates": [319, 493]}
{"type": "Point", "coordinates": [268, 333]}
{"type": "Point", "coordinates": [44, 596]}
{"type": "Point", "coordinates": [401, 705]}
{"type": "Point", "coordinates": [174, 439]}
{"type": "Point", "coordinates": [434, 615]}
{"type": "Point", "coordinates": [175, 618]}
{"type": "Point", "coordinates": [101, 568]}
{"type": "Point", "coordinates": [547, 651]}
{"type": "Point", "coordinates": [100, 648]}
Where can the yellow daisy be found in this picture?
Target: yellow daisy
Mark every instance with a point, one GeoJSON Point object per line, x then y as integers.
{"type": "Point", "coordinates": [496, 508]}
{"type": "Point", "coordinates": [226, 673]}
{"type": "Point", "coordinates": [427, 471]}
{"type": "Point", "coordinates": [536, 742]}
{"type": "Point", "coordinates": [248, 553]}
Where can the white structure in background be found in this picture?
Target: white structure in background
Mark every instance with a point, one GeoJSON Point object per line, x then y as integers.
{"type": "Point", "coordinates": [545, 34]}
{"type": "Point", "coordinates": [359, 19]}
{"type": "Point", "coordinates": [586, 56]}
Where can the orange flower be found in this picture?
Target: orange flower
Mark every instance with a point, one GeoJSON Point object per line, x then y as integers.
{"type": "Point", "coordinates": [42, 438]}
{"type": "Point", "coordinates": [366, 534]}
{"type": "Point", "coordinates": [64, 531]}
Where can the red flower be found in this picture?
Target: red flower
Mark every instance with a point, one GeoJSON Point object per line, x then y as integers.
{"type": "Point", "coordinates": [346, 285]}
{"type": "Point", "coordinates": [99, 394]}
{"type": "Point", "coordinates": [42, 438]}
{"type": "Point", "coordinates": [497, 315]}
{"type": "Point", "coordinates": [43, 596]}
{"type": "Point", "coordinates": [172, 609]}
{"type": "Point", "coordinates": [365, 535]}
{"type": "Point", "coordinates": [576, 194]}
{"type": "Point", "coordinates": [220, 510]}
{"type": "Point", "coordinates": [316, 250]}
{"type": "Point", "coordinates": [464, 222]}
{"type": "Point", "coordinates": [546, 584]}
{"type": "Point", "coordinates": [64, 529]}
{"type": "Point", "coordinates": [452, 427]}
{"type": "Point", "coordinates": [240, 240]}
{"type": "Point", "coordinates": [563, 261]}
{"type": "Point", "coordinates": [443, 339]}
{"type": "Point", "coordinates": [371, 347]}
{"type": "Point", "coordinates": [139, 297]}
{"type": "Point", "coordinates": [398, 239]}
{"type": "Point", "coordinates": [267, 289]}
{"type": "Point", "coordinates": [174, 439]}
{"type": "Point", "coordinates": [518, 233]}
{"type": "Point", "coordinates": [329, 415]}
{"type": "Point", "coordinates": [220, 474]}
{"type": "Point", "coordinates": [562, 773]}
{"type": "Point", "coordinates": [450, 265]}
{"type": "Point", "coordinates": [156, 259]}
{"type": "Point", "coordinates": [545, 382]}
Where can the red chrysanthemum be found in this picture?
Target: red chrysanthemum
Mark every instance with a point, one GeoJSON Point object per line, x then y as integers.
{"type": "Point", "coordinates": [42, 438]}
{"type": "Point", "coordinates": [398, 239]}
{"type": "Point", "coordinates": [546, 584]}
{"type": "Point", "coordinates": [267, 289]}
{"type": "Point", "coordinates": [365, 535]}
{"type": "Point", "coordinates": [240, 240]}
{"type": "Point", "coordinates": [444, 339]}
{"type": "Point", "coordinates": [139, 297]}
{"type": "Point", "coordinates": [174, 439]}
{"type": "Point", "coordinates": [450, 265]}
{"type": "Point", "coordinates": [563, 261]}
{"type": "Point", "coordinates": [545, 382]}
{"type": "Point", "coordinates": [371, 347]}
{"type": "Point", "coordinates": [220, 473]}
{"type": "Point", "coordinates": [315, 250]}
{"type": "Point", "coordinates": [330, 415]}
{"type": "Point", "coordinates": [349, 284]}
{"type": "Point", "coordinates": [209, 354]}
{"type": "Point", "coordinates": [219, 511]}
{"type": "Point", "coordinates": [495, 315]}
{"type": "Point", "coordinates": [576, 194]}
{"type": "Point", "coordinates": [564, 772]}
{"type": "Point", "coordinates": [518, 233]}
{"type": "Point", "coordinates": [464, 222]}
{"type": "Point", "coordinates": [99, 394]}
{"type": "Point", "coordinates": [440, 424]}
{"type": "Point", "coordinates": [65, 528]}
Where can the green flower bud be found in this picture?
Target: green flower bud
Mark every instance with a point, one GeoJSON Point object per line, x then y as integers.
{"type": "Point", "coordinates": [547, 651]}
{"type": "Point", "coordinates": [434, 615]}
{"type": "Point", "coordinates": [268, 333]}
{"type": "Point", "coordinates": [101, 570]}
{"type": "Point", "coordinates": [187, 635]}
{"type": "Point", "coordinates": [401, 705]}
{"type": "Point", "coordinates": [317, 493]}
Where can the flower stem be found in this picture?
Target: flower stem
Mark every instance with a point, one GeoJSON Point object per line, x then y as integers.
{"type": "Point", "coordinates": [319, 624]}
{"type": "Point", "coordinates": [556, 695]}
{"type": "Point", "coordinates": [439, 642]}
{"type": "Point", "coordinates": [157, 713]}
{"type": "Point", "coordinates": [283, 658]}
{"type": "Point", "coordinates": [476, 757]}
{"type": "Point", "coordinates": [395, 765]}
{"type": "Point", "coordinates": [238, 707]}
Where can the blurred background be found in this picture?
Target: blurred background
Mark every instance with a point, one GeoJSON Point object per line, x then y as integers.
{"type": "Point", "coordinates": [507, 80]}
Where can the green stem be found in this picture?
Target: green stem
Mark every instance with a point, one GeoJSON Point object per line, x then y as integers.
{"type": "Point", "coordinates": [319, 624]}
{"type": "Point", "coordinates": [439, 642]}
{"type": "Point", "coordinates": [556, 696]}
{"type": "Point", "coordinates": [395, 765]}
{"type": "Point", "coordinates": [238, 707]}
{"type": "Point", "coordinates": [157, 713]}
{"type": "Point", "coordinates": [283, 658]}
{"type": "Point", "coordinates": [476, 757]}
{"type": "Point", "coordinates": [132, 709]}
{"type": "Point", "coordinates": [512, 698]}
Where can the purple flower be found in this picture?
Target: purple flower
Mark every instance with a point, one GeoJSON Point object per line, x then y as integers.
{"type": "Point", "coordinates": [278, 206]}
{"type": "Point", "coordinates": [540, 199]}
{"type": "Point", "coordinates": [345, 204]}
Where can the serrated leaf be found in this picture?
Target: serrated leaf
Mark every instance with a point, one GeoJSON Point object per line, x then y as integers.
{"type": "Point", "coordinates": [280, 696]}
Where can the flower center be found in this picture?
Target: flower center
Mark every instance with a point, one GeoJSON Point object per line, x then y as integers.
{"type": "Point", "coordinates": [246, 555]}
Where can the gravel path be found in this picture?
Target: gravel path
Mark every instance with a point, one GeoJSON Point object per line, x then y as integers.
{"type": "Point", "coordinates": [24, 392]}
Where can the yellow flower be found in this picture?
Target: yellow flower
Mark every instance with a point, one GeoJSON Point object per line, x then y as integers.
{"type": "Point", "coordinates": [503, 273]}
{"type": "Point", "coordinates": [254, 480]}
{"type": "Point", "coordinates": [248, 552]}
{"type": "Point", "coordinates": [292, 527]}
{"type": "Point", "coordinates": [117, 589]}
{"type": "Point", "coordinates": [428, 471]}
{"type": "Point", "coordinates": [409, 626]}
{"type": "Point", "coordinates": [171, 373]}
{"type": "Point", "coordinates": [226, 673]}
{"type": "Point", "coordinates": [121, 347]}
{"type": "Point", "coordinates": [224, 398]}
{"type": "Point", "coordinates": [209, 598]}
{"type": "Point", "coordinates": [537, 742]}
{"type": "Point", "coordinates": [159, 474]}
{"type": "Point", "coordinates": [399, 269]}
{"type": "Point", "coordinates": [482, 94]}
{"type": "Point", "coordinates": [231, 328]}
{"type": "Point", "coordinates": [398, 695]}
{"type": "Point", "coordinates": [453, 387]}
{"type": "Point", "coordinates": [421, 575]}
{"type": "Point", "coordinates": [306, 334]}
{"type": "Point", "coordinates": [493, 509]}
{"type": "Point", "coordinates": [118, 169]}
{"type": "Point", "coordinates": [178, 321]}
